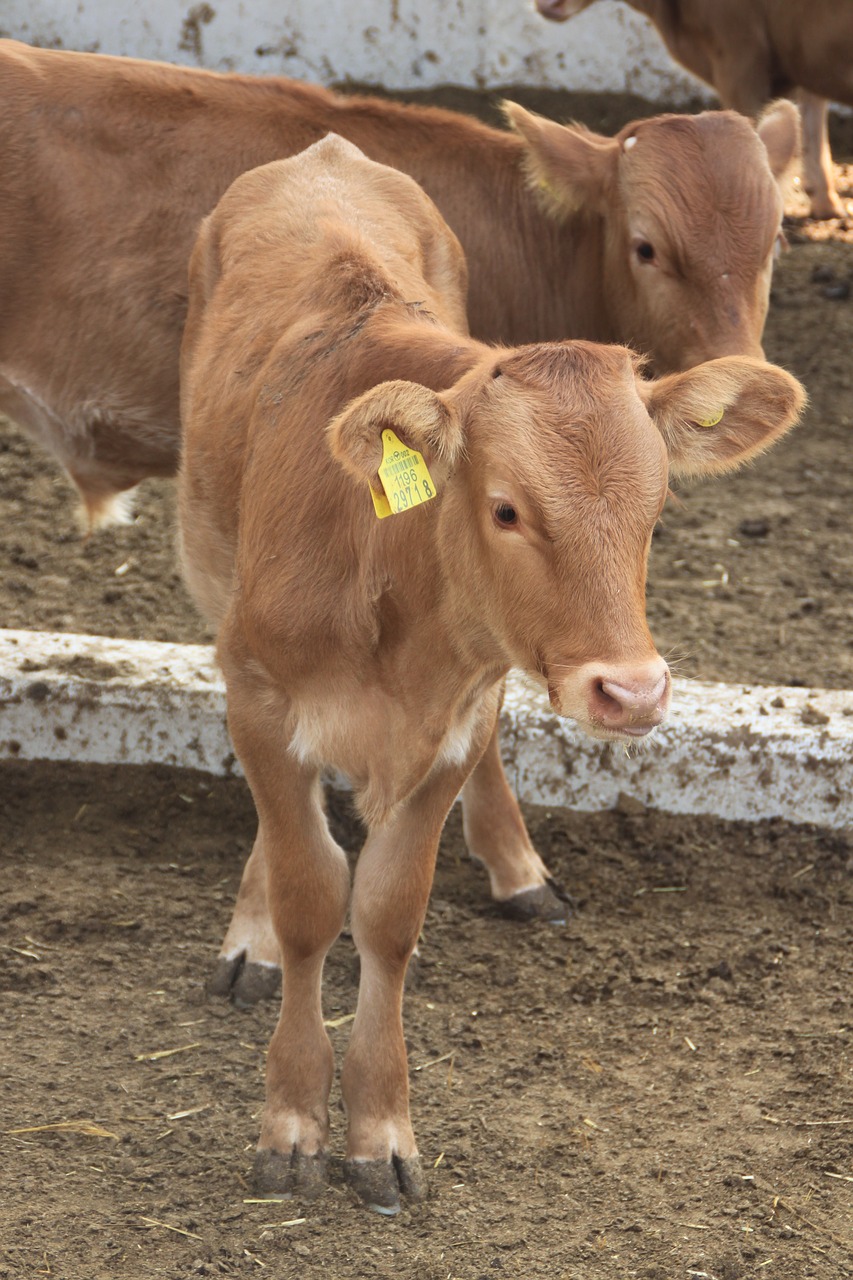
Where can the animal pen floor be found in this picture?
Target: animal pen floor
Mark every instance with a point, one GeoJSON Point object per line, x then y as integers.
{"type": "Point", "coordinates": [659, 1089]}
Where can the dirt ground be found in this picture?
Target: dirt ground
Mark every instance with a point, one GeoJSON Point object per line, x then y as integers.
{"type": "Point", "coordinates": [659, 1089]}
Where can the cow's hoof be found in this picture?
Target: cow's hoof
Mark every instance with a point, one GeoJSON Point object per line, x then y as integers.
{"type": "Point", "coordinates": [245, 983]}
{"type": "Point", "coordinates": [546, 902]}
{"type": "Point", "coordinates": [380, 1183]}
{"type": "Point", "coordinates": [287, 1176]}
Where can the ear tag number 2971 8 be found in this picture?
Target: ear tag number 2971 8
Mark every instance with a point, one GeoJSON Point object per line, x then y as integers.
{"type": "Point", "coordinates": [405, 478]}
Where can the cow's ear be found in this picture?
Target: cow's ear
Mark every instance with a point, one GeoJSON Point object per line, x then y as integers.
{"type": "Point", "coordinates": [568, 166]}
{"type": "Point", "coordinates": [721, 413]}
{"type": "Point", "coordinates": [778, 128]}
{"type": "Point", "coordinates": [420, 417]}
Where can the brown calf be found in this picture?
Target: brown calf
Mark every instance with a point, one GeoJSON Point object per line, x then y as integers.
{"type": "Point", "coordinates": [327, 307]}
{"type": "Point", "coordinates": [661, 237]}
{"type": "Point", "coordinates": [755, 50]}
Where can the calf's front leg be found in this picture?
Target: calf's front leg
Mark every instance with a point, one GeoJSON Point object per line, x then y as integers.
{"type": "Point", "coordinates": [307, 891]}
{"type": "Point", "coordinates": [248, 965]}
{"type": "Point", "coordinates": [390, 893]}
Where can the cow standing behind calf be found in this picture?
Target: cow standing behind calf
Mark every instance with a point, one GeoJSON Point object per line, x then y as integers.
{"type": "Point", "coordinates": [662, 238]}
{"type": "Point", "coordinates": [755, 50]}
{"type": "Point", "coordinates": [326, 308]}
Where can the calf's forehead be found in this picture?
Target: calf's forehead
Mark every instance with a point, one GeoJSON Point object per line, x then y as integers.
{"type": "Point", "coordinates": [705, 183]}
{"type": "Point", "coordinates": [567, 421]}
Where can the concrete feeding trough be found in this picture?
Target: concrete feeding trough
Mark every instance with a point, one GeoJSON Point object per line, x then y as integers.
{"type": "Point", "coordinates": [734, 751]}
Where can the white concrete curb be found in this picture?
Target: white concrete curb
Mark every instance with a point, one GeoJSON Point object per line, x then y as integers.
{"type": "Point", "coordinates": [729, 750]}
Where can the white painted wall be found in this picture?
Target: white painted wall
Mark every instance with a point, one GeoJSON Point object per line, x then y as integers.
{"type": "Point", "coordinates": [395, 43]}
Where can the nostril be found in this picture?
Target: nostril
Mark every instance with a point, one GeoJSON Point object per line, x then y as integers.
{"type": "Point", "coordinates": [620, 703]}
{"type": "Point", "coordinates": [608, 704]}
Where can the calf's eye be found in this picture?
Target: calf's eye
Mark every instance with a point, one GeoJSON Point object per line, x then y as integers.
{"type": "Point", "coordinates": [506, 516]}
{"type": "Point", "coordinates": [644, 251]}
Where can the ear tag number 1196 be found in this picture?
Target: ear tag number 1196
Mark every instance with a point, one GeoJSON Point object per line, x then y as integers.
{"type": "Point", "coordinates": [405, 478]}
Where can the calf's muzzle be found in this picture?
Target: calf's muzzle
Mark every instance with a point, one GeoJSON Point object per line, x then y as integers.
{"type": "Point", "coordinates": [631, 702]}
{"type": "Point", "coordinates": [625, 700]}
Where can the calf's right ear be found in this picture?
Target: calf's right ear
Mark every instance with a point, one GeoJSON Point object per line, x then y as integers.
{"type": "Point", "coordinates": [718, 415]}
{"type": "Point", "coordinates": [420, 417]}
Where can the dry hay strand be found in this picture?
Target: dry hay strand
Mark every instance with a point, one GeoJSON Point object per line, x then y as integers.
{"type": "Point", "coordinates": [87, 1128]}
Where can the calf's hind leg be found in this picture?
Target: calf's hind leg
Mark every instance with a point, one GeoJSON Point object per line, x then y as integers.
{"type": "Point", "coordinates": [249, 964]}
{"type": "Point", "coordinates": [496, 836]}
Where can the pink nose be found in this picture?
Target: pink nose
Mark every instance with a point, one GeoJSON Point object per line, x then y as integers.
{"type": "Point", "coordinates": [553, 9]}
{"type": "Point", "coordinates": [630, 701]}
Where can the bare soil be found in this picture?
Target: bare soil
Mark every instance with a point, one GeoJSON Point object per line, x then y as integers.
{"type": "Point", "coordinates": [660, 1089]}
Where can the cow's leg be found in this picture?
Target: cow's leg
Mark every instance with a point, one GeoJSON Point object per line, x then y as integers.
{"type": "Point", "coordinates": [308, 887]}
{"type": "Point", "coordinates": [390, 893]}
{"type": "Point", "coordinates": [818, 172]}
{"type": "Point", "coordinates": [249, 964]}
{"type": "Point", "coordinates": [496, 836]}
{"type": "Point", "coordinates": [308, 881]}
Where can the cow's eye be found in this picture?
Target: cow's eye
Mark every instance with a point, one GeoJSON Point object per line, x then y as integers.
{"type": "Point", "coordinates": [645, 252]}
{"type": "Point", "coordinates": [506, 516]}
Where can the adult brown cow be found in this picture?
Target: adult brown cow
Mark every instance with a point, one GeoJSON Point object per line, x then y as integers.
{"type": "Point", "coordinates": [755, 50]}
{"type": "Point", "coordinates": [325, 343]}
{"type": "Point", "coordinates": [109, 163]}
{"type": "Point", "coordinates": [662, 238]}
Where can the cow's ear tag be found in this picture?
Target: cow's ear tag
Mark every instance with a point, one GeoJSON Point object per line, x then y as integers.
{"type": "Point", "coordinates": [381, 505]}
{"type": "Point", "coordinates": [405, 478]}
{"type": "Point", "coordinates": [712, 420]}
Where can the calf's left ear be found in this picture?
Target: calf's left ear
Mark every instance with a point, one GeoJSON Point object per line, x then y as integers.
{"type": "Point", "coordinates": [420, 417]}
{"type": "Point", "coordinates": [718, 415]}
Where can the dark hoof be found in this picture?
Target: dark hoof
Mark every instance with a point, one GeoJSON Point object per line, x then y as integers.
{"type": "Point", "coordinates": [380, 1183]}
{"type": "Point", "coordinates": [286, 1176]}
{"type": "Point", "coordinates": [245, 984]}
{"type": "Point", "coordinates": [546, 902]}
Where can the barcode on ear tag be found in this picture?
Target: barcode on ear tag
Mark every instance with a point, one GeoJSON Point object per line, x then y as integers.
{"type": "Point", "coordinates": [405, 478]}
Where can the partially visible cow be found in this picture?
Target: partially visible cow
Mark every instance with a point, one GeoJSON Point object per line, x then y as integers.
{"type": "Point", "coordinates": [662, 237]}
{"type": "Point", "coordinates": [754, 50]}
{"type": "Point", "coordinates": [108, 165]}
{"type": "Point", "coordinates": [326, 331]}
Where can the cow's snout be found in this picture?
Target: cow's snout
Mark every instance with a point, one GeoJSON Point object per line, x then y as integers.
{"type": "Point", "coordinates": [610, 699]}
{"type": "Point", "coordinates": [631, 702]}
{"type": "Point", "coordinates": [559, 10]}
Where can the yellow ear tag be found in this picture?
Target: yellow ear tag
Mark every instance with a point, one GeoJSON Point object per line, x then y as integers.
{"type": "Point", "coordinates": [713, 420]}
{"type": "Point", "coordinates": [405, 478]}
